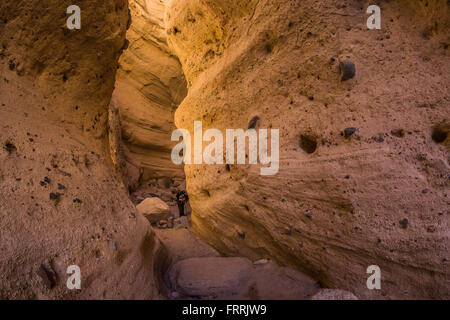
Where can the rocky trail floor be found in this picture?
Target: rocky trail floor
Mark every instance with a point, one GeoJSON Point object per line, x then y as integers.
{"type": "Point", "coordinates": [197, 271]}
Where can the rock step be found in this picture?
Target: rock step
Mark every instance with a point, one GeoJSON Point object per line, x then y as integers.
{"type": "Point", "coordinates": [197, 271]}
{"type": "Point", "coordinates": [237, 278]}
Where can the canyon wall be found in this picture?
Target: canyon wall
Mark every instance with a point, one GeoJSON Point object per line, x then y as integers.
{"type": "Point", "coordinates": [364, 163]}
{"type": "Point", "coordinates": [150, 85]}
{"type": "Point", "coordinates": [60, 203]}
{"type": "Point", "coordinates": [374, 194]}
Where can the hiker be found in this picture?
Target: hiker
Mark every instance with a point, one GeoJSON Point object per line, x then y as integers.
{"type": "Point", "coordinates": [182, 199]}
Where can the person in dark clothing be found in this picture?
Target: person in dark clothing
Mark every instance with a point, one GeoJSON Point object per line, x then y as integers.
{"type": "Point", "coordinates": [182, 199]}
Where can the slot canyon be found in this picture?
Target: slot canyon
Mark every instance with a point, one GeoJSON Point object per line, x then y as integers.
{"type": "Point", "coordinates": [87, 117]}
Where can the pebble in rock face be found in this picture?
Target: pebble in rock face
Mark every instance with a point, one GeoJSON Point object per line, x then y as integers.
{"type": "Point", "coordinates": [48, 276]}
{"type": "Point", "coordinates": [112, 245]}
{"type": "Point", "coordinates": [55, 196]}
{"type": "Point", "coordinates": [399, 133]}
{"type": "Point", "coordinates": [240, 233]}
{"type": "Point", "coordinates": [404, 223]}
{"type": "Point", "coordinates": [348, 132]}
{"type": "Point", "coordinates": [348, 70]}
{"type": "Point", "coordinates": [254, 122]}
{"type": "Point", "coordinates": [378, 138]}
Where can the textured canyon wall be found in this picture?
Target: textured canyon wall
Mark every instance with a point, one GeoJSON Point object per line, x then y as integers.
{"type": "Point", "coordinates": [150, 85]}
{"type": "Point", "coordinates": [60, 204]}
{"type": "Point", "coordinates": [340, 202]}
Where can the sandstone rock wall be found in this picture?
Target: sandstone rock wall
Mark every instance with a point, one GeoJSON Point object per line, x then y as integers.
{"type": "Point", "coordinates": [60, 204]}
{"type": "Point", "coordinates": [150, 85]}
{"type": "Point", "coordinates": [377, 194]}
{"type": "Point", "coordinates": [338, 204]}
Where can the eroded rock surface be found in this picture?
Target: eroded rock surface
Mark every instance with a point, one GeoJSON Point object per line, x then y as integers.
{"type": "Point", "coordinates": [60, 203]}
{"type": "Point", "coordinates": [150, 85]}
{"type": "Point", "coordinates": [211, 277]}
{"type": "Point", "coordinates": [182, 244]}
{"type": "Point", "coordinates": [341, 198]}
{"type": "Point", "coordinates": [237, 278]}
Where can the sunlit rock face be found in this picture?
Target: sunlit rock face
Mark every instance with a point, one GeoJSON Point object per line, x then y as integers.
{"type": "Point", "coordinates": [340, 202]}
{"type": "Point", "coordinates": [60, 204]}
{"type": "Point", "coordinates": [150, 85]}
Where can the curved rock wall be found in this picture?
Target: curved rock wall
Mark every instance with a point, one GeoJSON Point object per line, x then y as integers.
{"type": "Point", "coordinates": [60, 205]}
{"type": "Point", "coordinates": [340, 202]}
{"type": "Point", "coordinates": [150, 85]}
{"type": "Point", "coordinates": [376, 193]}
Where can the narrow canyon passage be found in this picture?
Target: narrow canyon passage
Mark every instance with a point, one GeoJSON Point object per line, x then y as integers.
{"type": "Point", "coordinates": [150, 85]}
{"type": "Point", "coordinates": [331, 142]}
{"type": "Point", "coordinates": [86, 170]}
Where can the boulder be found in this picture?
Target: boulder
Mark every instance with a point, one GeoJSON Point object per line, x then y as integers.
{"type": "Point", "coordinates": [212, 277]}
{"type": "Point", "coordinates": [273, 282]}
{"type": "Point", "coordinates": [182, 244]}
{"type": "Point", "coordinates": [154, 209]}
